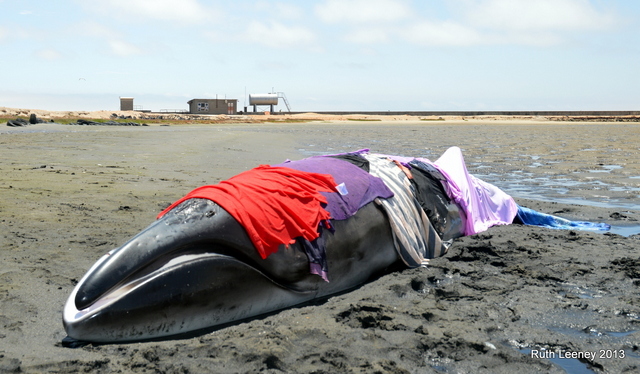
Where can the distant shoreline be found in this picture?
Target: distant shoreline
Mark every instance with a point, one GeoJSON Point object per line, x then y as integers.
{"type": "Point", "coordinates": [328, 116]}
{"type": "Point", "coordinates": [465, 113]}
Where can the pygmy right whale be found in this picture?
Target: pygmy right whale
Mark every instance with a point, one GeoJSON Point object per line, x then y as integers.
{"type": "Point", "coordinates": [198, 266]}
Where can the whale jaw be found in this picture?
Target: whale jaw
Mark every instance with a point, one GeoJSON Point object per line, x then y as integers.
{"type": "Point", "coordinates": [191, 292]}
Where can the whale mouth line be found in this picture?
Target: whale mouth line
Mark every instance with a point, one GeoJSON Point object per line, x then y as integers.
{"type": "Point", "coordinates": [147, 274]}
{"type": "Point", "coordinates": [191, 250]}
{"type": "Point", "coordinates": [72, 313]}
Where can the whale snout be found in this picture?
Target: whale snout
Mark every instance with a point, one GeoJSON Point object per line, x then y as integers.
{"type": "Point", "coordinates": [184, 230]}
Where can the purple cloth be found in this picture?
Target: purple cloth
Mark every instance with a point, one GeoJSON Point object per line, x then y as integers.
{"type": "Point", "coordinates": [484, 204]}
{"type": "Point", "coordinates": [316, 253]}
{"type": "Point", "coordinates": [361, 187]}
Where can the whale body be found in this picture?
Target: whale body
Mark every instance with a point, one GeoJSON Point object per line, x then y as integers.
{"type": "Point", "coordinates": [204, 264]}
{"type": "Point", "coordinates": [195, 268]}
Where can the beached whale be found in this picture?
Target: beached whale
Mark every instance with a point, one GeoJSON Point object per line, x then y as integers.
{"type": "Point", "coordinates": [204, 263]}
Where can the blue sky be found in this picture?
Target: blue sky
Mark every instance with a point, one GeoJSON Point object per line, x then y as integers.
{"type": "Point", "coordinates": [324, 55]}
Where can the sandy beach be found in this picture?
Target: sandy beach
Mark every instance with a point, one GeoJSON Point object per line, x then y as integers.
{"type": "Point", "coordinates": [69, 194]}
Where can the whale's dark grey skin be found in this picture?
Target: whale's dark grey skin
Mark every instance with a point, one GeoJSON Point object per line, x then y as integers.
{"type": "Point", "coordinates": [196, 268]}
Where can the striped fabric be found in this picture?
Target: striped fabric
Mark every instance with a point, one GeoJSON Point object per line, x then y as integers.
{"type": "Point", "coordinates": [414, 237]}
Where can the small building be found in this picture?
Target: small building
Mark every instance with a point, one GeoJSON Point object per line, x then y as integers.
{"type": "Point", "coordinates": [213, 106]}
{"type": "Point", "coordinates": [126, 103]}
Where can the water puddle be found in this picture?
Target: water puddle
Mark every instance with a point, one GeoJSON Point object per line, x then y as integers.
{"type": "Point", "coordinates": [560, 190]}
{"type": "Point", "coordinates": [595, 187]}
{"type": "Point", "coordinates": [625, 230]}
{"type": "Point", "coordinates": [606, 169]}
{"type": "Point", "coordinates": [569, 365]}
{"type": "Point", "coordinates": [448, 279]}
{"type": "Point", "coordinates": [592, 331]}
{"type": "Point", "coordinates": [570, 289]}
{"type": "Point", "coordinates": [618, 334]}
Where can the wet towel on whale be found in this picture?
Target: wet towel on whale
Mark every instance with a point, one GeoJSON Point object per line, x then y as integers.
{"type": "Point", "coordinates": [415, 239]}
{"type": "Point", "coordinates": [484, 204]}
{"type": "Point", "coordinates": [275, 205]}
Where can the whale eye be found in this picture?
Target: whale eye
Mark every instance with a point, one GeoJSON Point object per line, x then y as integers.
{"type": "Point", "coordinates": [209, 213]}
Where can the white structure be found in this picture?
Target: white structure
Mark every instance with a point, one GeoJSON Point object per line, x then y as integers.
{"type": "Point", "coordinates": [263, 99]}
{"type": "Point", "coordinates": [270, 99]}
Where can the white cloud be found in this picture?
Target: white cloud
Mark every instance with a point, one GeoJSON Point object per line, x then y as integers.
{"type": "Point", "coordinates": [121, 48]}
{"type": "Point", "coordinates": [362, 11]}
{"type": "Point", "coordinates": [278, 9]}
{"type": "Point", "coordinates": [476, 22]}
{"type": "Point", "coordinates": [90, 28]}
{"type": "Point", "coordinates": [277, 35]}
{"type": "Point", "coordinates": [456, 34]}
{"type": "Point", "coordinates": [442, 34]}
{"type": "Point", "coordinates": [368, 35]}
{"type": "Point", "coordinates": [16, 32]}
{"type": "Point", "coordinates": [532, 15]}
{"type": "Point", "coordinates": [532, 38]}
{"type": "Point", "coordinates": [110, 36]}
{"type": "Point", "coordinates": [288, 11]}
{"type": "Point", "coordinates": [184, 11]}
{"type": "Point", "coordinates": [48, 54]}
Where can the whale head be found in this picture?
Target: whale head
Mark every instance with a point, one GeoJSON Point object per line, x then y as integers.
{"type": "Point", "coordinates": [192, 269]}
{"type": "Point", "coordinates": [195, 269]}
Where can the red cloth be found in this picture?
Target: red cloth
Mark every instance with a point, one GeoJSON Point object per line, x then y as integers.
{"type": "Point", "coordinates": [274, 204]}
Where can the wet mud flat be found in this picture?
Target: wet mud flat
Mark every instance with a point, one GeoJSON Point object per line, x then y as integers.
{"type": "Point", "coordinates": [514, 298]}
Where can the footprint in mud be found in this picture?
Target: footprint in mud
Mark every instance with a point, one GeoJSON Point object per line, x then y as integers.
{"type": "Point", "coordinates": [368, 316]}
{"type": "Point", "coordinates": [473, 253]}
{"type": "Point", "coordinates": [621, 216]}
{"type": "Point", "coordinates": [421, 285]}
{"type": "Point", "coordinates": [10, 365]}
{"type": "Point", "coordinates": [418, 285]}
{"type": "Point", "coordinates": [630, 267]}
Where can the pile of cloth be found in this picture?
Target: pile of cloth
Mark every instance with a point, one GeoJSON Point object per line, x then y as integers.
{"type": "Point", "coordinates": [428, 204]}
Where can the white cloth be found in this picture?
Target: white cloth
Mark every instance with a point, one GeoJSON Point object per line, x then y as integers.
{"type": "Point", "coordinates": [415, 239]}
